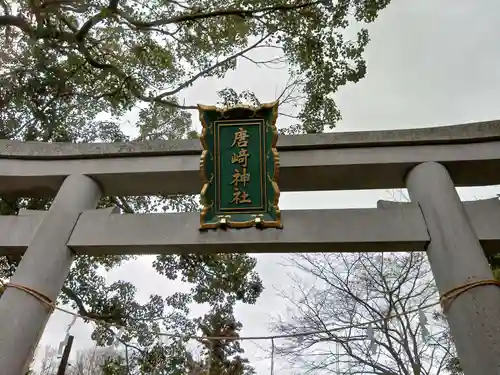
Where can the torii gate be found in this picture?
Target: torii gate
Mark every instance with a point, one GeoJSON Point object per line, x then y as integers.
{"type": "Point", "coordinates": [430, 162]}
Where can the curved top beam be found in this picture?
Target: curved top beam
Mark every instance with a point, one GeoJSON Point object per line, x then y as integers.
{"type": "Point", "coordinates": [454, 134]}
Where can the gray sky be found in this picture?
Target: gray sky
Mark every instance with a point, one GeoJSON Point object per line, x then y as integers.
{"type": "Point", "coordinates": [430, 63]}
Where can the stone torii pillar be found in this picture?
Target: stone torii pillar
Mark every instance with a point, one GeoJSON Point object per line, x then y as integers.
{"type": "Point", "coordinates": [457, 258]}
{"type": "Point", "coordinates": [44, 268]}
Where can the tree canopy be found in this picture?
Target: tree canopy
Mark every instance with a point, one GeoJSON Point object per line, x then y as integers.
{"type": "Point", "coordinates": [70, 70]}
{"type": "Point", "coordinates": [64, 62]}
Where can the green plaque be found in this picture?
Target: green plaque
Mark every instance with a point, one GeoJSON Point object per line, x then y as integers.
{"type": "Point", "coordinates": [239, 167]}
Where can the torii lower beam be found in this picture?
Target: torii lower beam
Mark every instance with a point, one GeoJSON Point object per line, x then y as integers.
{"type": "Point", "coordinates": [390, 227]}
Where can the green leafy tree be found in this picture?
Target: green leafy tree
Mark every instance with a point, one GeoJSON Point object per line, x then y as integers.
{"type": "Point", "coordinates": [71, 70]}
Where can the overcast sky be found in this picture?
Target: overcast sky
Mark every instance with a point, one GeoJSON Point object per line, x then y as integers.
{"type": "Point", "coordinates": [430, 63]}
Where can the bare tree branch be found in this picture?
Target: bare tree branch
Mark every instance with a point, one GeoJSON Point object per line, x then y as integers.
{"type": "Point", "coordinates": [355, 288]}
{"type": "Point", "coordinates": [211, 68]}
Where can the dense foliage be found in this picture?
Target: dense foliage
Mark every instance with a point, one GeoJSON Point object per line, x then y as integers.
{"type": "Point", "coordinates": [70, 70]}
